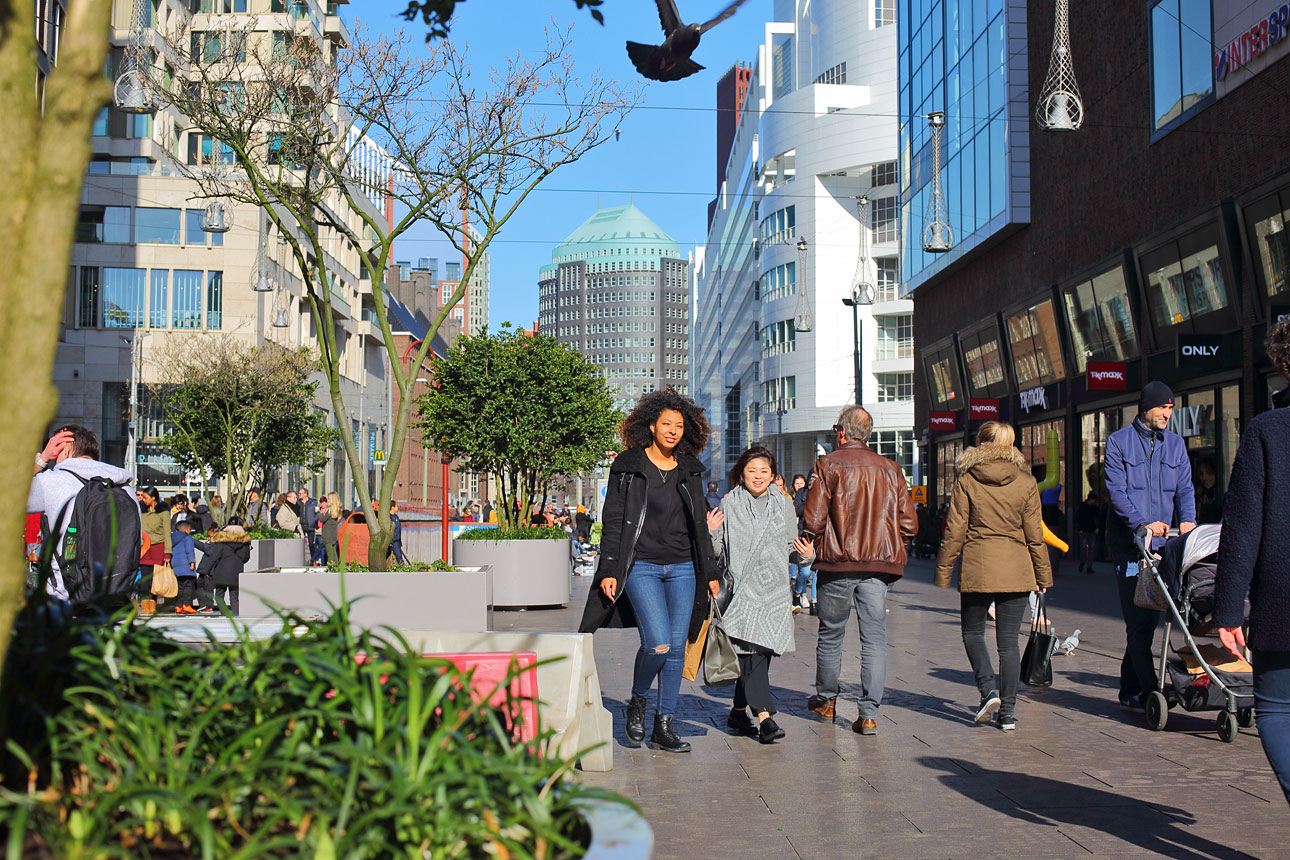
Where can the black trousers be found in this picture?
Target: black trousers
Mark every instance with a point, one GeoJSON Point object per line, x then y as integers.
{"type": "Point", "coordinates": [1138, 668]}
{"type": "Point", "coordinates": [226, 594]}
{"type": "Point", "coordinates": [187, 588]}
{"type": "Point", "coordinates": [753, 687]}
{"type": "Point", "coordinates": [1008, 610]}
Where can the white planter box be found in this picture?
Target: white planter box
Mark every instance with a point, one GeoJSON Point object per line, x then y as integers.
{"type": "Point", "coordinates": [525, 572]}
{"type": "Point", "coordinates": [439, 600]}
{"type": "Point", "coordinates": [274, 554]}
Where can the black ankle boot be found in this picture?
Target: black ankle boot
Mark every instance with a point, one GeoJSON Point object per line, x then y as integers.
{"type": "Point", "coordinates": [664, 738]}
{"type": "Point", "coordinates": [636, 719]}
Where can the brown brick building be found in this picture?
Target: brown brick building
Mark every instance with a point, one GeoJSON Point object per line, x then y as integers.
{"type": "Point", "coordinates": [1148, 244]}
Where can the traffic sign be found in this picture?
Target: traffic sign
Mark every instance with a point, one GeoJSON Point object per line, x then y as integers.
{"type": "Point", "coordinates": [918, 494]}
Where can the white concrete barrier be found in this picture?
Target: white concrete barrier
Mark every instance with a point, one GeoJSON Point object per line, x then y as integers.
{"type": "Point", "coordinates": [570, 704]}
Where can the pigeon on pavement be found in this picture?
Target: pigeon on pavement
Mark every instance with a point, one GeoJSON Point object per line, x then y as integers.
{"type": "Point", "coordinates": [1069, 644]}
{"type": "Point", "coordinates": [671, 61]}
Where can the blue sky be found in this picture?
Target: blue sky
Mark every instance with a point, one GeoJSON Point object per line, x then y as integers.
{"type": "Point", "coordinates": [667, 151]}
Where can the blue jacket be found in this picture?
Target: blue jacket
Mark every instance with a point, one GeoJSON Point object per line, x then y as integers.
{"type": "Point", "coordinates": [1148, 476]}
{"type": "Point", "coordinates": [398, 529]}
{"type": "Point", "coordinates": [1254, 551]}
{"type": "Point", "coordinates": [183, 553]}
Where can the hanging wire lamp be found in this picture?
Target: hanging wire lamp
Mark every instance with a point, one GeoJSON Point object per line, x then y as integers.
{"type": "Point", "coordinates": [280, 318]}
{"type": "Point", "coordinates": [1060, 107]}
{"type": "Point", "coordinates": [802, 320]}
{"type": "Point", "coordinates": [260, 280]}
{"type": "Point", "coordinates": [218, 217]}
{"type": "Point", "coordinates": [863, 291]}
{"type": "Point", "coordinates": [130, 93]}
{"type": "Point", "coordinates": [938, 236]}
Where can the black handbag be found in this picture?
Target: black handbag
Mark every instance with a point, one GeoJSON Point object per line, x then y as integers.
{"type": "Point", "coordinates": [1037, 660]}
{"type": "Point", "coordinates": [725, 585]}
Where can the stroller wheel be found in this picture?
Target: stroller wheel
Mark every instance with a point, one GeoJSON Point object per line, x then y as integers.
{"type": "Point", "coordinates": [1157, 710]}
{"type": "Point", "coordinates": [1226, 727]}
{"type": "Point", "coordinates": [1245, 717]}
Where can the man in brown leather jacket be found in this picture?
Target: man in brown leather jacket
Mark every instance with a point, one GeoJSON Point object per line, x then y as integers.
{"type": "Point", "coordinates": [860, 512]}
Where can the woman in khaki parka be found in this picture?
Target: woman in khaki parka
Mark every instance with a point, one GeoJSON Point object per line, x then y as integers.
{"type": "Point", "coordinates": [996, 524]}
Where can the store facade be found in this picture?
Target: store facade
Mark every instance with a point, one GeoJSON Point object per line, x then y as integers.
{"type": "Point", "coordinates": [1154, 247]}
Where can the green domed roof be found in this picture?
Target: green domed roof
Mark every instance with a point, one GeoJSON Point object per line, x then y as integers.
{"type": "Point", "coordinates": [618, 234]}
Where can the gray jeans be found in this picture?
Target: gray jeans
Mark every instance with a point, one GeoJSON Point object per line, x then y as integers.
{"type": "Point", "coordinates": [837, 593]}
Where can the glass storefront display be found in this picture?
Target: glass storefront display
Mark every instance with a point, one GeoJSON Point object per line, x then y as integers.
{"type": "Point", "coordinates": [1033, 442]}
{"type": "Point", "coordinates": [946, 455]}
{"type": "Point", "coordinates": [1266, 223]}
{"type": "Point", "coordinates": [944, 385]}
{"type": "Point", "coordinates": [1186, 287]}
{"type": "Point", "coordinates": [1036, 345]}
{"type": "Point", "coordinates": [1101, 323]}
{"type": "Point", "coordinates": [984, 361]}
{"type": "Point", "coordinates": [1095, 427]}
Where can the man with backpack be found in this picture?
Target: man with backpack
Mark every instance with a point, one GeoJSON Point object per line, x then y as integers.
{"type": "Point", "coordinates": [89, 509]}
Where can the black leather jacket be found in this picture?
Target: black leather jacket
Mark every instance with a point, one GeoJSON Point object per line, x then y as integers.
{"type": "Point", "coordinates": [624, 515]}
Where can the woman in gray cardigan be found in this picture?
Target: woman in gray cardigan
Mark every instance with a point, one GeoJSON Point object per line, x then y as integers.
{"type": "Point", "coordinates": [754, 532]}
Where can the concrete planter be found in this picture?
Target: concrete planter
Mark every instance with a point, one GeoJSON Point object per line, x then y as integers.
{"type": "Point", "coordinates": [618, 832]}
{"type": "Point", "coordinates": [269, 554]}
{"type": "Point", "coordinates": [441, 600]}
{"type": "Point", "coordinates": [525, 572]}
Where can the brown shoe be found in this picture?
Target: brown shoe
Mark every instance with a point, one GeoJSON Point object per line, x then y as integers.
{"type": "Point", "coordinates": [865, 727]}
{"type": "Point", "coordinates": [822, 706]}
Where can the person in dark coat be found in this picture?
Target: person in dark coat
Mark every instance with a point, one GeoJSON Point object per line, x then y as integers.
{"type": "Point", "coordinates": [1089, 517]}
{"type": "Point", "coordinates": [1254, 559]}
{"type": "Point", "coordinates": [224, 558]}
{"type": "Point", "coordinates": [656, 566]}
{"type": "Point", "coordinates": [396, 545]}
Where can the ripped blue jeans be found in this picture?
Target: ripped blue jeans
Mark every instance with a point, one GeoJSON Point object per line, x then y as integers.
{"type": "Point", "coordinates": [662, 597]}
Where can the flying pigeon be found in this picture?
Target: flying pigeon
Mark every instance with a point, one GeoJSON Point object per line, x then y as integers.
{"type": "Point", "coordinates": [1069, 644]}
{"type": "Point", "coordinates": [671, 61]}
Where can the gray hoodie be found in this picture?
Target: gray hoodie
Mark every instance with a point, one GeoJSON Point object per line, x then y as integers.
{"type": "Point", "coordinates": [53, 489]}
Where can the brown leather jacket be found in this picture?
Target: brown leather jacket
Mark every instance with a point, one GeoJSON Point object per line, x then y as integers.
{"type": "Point", "coordinates": [859, 509]}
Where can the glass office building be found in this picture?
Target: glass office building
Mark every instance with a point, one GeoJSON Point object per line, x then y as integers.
{"type": "Point", "coordinates": [966, 58]}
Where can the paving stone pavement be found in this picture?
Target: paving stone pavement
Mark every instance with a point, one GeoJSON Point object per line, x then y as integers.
{"type": "Point", "coordinates": [1077, 778]}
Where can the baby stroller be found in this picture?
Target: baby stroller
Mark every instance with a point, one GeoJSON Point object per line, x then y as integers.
{"type": "Point", "coordinates": [1183, 576]}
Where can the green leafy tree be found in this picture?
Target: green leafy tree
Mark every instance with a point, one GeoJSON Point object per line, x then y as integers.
{"type": "Point", "coordinates": [526, 409]}
{"type": "Point", "coordinates": [242, 412]}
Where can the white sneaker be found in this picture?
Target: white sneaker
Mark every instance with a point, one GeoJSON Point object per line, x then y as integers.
{"type": "Point", "coordinates": [803, 601]}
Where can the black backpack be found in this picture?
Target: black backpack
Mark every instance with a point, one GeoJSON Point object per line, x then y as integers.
{"type": "Point", "coordinates": [108, 540]}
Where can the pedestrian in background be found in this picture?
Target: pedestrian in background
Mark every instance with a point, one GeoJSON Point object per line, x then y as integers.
{"type": "Point", "coordinates": [155, 522]}
{"type": "Point", "coordinates": [396, 544]}
{"type": "Point", "coordinates": [329, 524]}
{"type": "Point", "coordinates": [308, 521]}
{"type": "Point", "coordinates": [1148, 477]}
{"type": "Point", "coordinates": [656, 566]}
{"type": "Point", "coordinates": [754, 531]}
{"type": "Point", "coordinates": [224, 557]}
{"type": "Point", "coordinates": [798, 570]}
{"type": "Point", "coordinates": [218, 514]}
{"type": "Point", "coordinates": [996, 521]}
{"type": "Point", "coordinates": [1089, 517]}
{"type": "Point", "coordinates": [1254, 560]}
{"type": "Point", "coordinates": [183, 561]}
{"type": "Point", "coordinates": [859, 515]}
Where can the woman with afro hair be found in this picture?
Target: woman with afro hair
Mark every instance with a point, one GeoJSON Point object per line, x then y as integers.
{"type": "Point", "coordinates": [656, 566]}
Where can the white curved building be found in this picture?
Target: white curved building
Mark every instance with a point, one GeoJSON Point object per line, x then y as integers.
{"type": "Point", "coordinates": [773, 349]}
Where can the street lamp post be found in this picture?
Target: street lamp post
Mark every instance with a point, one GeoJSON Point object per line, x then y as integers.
{"type": "Point", "coordinates": [862, 289]}
{"type": "Point", "coordinates": [854, 301]}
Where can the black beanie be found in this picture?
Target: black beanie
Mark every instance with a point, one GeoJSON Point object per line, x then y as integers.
{"type": "Point", "coordinates": [1154, 394]}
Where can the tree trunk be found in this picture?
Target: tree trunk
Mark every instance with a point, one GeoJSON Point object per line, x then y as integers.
{"type": "Point", "coordinates": [40, 188]}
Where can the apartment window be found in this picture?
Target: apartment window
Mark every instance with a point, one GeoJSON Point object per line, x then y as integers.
{"type": "Point", "coordinates": [888, 279]}
{"type": "Point", "coordinates": [882, 219]}
{"type": "Point", "coordinates": [193, 232]}
{"type": "Point", "coordinates": [776, 339]}
{"type": "Point", "coordinates": [214, 299]}
{"type": "Point", "coordinates": [204, 149]}
{"type": "Point", "coordinates": [895, 386]}
{"type": "Point", "coordinates": [884, 13]}
{"type": "Point", "coordinates": [138, 126]}
{"type": "Point", "coordinates": [779, 393]}
{"type": "Point", "coordinates": [187, 304]}
{"type": "Point", "coordinates": [895, 445]}
{"type": "Point", "coordinates": [156, 226]}
{"type": "Point", "coordinates": [835, 75]}
{"type": "Point", "coordinates": [883, 174]}
{"type": "Point", "coordinates": [895, 336]}
{"type": "Point", "coordinates": [219, 47]}
{"type": "Point", "coordinates": [158, 293]}
{"type": "Point", "coordinates": [122, 298]}
{"type": "Point", "coordinates": [87, 299]}
{"type": "Point", "coordinates": [780, 226]}
{"type": "Point", "coordinates": [104, 224]}
{"type": "Point", "coordinates": [1182, 60]}
{"type": "Point", "coordinates": [779, 282]}
{"type": "Point", "coordinates": [218, 7]}
{"type": "Point", "coordinates": [100, 128]}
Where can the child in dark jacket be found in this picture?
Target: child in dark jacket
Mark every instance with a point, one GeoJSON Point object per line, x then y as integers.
{"type": "Point", "coordinates": [225, 557]}
{"type": "Point", "coordinates": [183, 560]}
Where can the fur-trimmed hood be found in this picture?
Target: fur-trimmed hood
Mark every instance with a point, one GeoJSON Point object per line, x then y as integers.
{"type": "Point", "coordinates": [226, 536]}
{"type": "Point", "coordinates": [992, 464]}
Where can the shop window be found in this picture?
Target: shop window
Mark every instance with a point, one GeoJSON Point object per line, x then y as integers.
{"type": "Point", "coordinates": [1186, 287]}
{"type": "Point", "coordinates": [1182, 72]}
{"type": "Point", "coordinates": [1032, 440]}
{"type": "Point", "coordinates": [946, 454]}
{"type": "Point", "coordinates": [984, 361]}
{"type": "Point", "coordinates": [1101, 324]}
{"type": "Point", "coordinates": [1036, 345]}
{"type": "Point", "coordinates": [1266, 223]}
{"type": "Point", "coordinates": [942, 378]}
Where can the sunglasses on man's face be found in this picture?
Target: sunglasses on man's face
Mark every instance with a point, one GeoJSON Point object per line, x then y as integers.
{"type": "Point", "coordinates": [837, 428]}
